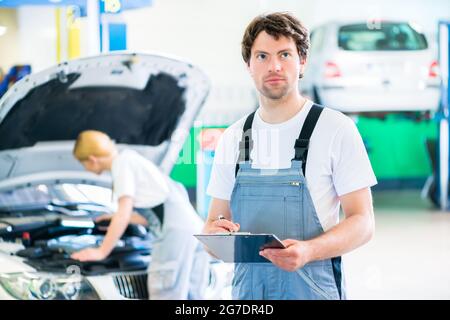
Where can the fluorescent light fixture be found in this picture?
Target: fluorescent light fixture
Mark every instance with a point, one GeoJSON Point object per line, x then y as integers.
{"type": "Point", "coordinates": [2, 30]}
{"type": "Point", "coordinates": [72, 223]}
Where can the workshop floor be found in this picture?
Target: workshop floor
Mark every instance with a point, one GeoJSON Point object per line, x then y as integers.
{"type": "Point", "coordinates": [409, 257]}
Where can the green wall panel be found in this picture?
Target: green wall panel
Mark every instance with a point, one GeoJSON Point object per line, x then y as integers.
{"type": "Point", "coordinates": [185, 170]}
{"type": "Point", "coordinates": [397, 147]}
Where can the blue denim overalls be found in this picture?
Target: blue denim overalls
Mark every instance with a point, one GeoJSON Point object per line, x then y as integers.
{"type": "Point", "coordinates": [279, 202]}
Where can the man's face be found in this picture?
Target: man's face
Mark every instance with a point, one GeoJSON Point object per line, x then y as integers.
{"type": "Point", "coordinates": [275, 65]}
{"type": "Point", "coordinates": [92, 165]}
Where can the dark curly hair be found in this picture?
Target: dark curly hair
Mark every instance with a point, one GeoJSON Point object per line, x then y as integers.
{"type": "Point", "coordinates": [276, 24]}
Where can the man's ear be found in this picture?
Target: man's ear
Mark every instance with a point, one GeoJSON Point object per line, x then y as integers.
{"type": "Point", "coordinates": [302, 66]}
{"type": "Point", "coordinates": [247, 64]}
{"type": "Point", "coordinates": [92, 159]}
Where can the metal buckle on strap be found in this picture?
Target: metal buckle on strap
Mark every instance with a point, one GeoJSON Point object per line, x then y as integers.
{"type": "Point", "coordinates": [244, 148]}
{"type": "Point", "coordinates": [301, 145]}
{"type": "Point", "coordinates": [243, 145]}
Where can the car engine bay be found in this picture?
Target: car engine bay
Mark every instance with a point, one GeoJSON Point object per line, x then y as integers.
{"type": "Point", "coordinates": [49, 238]}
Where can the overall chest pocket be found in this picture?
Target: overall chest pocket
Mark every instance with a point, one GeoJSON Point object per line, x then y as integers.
{"type": "Point", "coordinates": [271, 188]}
{"type": "Point", "coordinates": [271, 213]}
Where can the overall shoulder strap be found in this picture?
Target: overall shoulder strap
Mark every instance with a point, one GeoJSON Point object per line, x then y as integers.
{"type": "Point", "coordinates": [302, 143]}
{"type": "Point", "coordinates": [246, 143]}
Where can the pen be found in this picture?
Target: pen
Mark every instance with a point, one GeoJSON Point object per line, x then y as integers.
{"type": "Point", "coordinates": [221, 217]}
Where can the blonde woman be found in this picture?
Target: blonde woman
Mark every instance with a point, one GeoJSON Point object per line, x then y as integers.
{"type": "Point", "coordinates": [146, 196]}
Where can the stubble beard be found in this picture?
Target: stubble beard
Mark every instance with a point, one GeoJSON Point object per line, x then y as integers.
{"type": "Point", "coordinates": [276, 93]}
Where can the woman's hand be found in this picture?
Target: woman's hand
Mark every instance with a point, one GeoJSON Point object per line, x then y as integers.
{"type": "Point", "coordinates": [90, 254]}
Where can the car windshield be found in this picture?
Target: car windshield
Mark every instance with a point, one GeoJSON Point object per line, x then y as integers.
{"type": "Point", "coordinates": [58, 193]}
{"type": "Point", "coordinates": [382, 37]}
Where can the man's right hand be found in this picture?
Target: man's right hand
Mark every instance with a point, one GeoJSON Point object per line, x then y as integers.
{"type": "Point", "coordinates": [222, 225]}
{"type": "Point", "coordinates": [220, 208]}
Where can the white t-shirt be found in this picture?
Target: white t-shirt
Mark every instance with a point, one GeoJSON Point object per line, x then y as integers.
{"type": "Point", "coordinates": [337, 160]}
{"type": "Point", "coordinates": [137, 177]}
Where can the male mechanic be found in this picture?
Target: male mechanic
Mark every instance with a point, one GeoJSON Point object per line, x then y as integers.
{"type": "Point", "coordinates": [286, 169]}
{"type": "Point", "coordinates": [179, 266]}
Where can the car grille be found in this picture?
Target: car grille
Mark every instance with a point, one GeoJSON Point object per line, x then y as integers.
{"type": "Point", "coordinates": [132, 286]}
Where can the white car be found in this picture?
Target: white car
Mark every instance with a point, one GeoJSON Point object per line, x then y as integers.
{"type": "Point", "coordinates": [48, 202]}
{"type": "Point", "coordinates": [384, 66]}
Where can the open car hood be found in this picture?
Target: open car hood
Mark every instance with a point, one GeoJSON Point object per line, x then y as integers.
{"type": "Point", "coordinates": [142, 101]}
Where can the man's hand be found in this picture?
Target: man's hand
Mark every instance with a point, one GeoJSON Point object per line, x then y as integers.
{"type": "Point", "coordinates": [293, 257]}
{"type": "Point", "coordinates": [213, 224]}
{"type": "Point", "coordinates": [222, 225]}
{"type": "Point", "coordinates": [356, 229]}
{"type": "Point", "coordinates": [90, 254]}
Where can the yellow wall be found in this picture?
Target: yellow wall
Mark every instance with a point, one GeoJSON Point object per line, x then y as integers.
{"type": "Point", "coordinates": [9, 43]}
{"type": "Point", "coordinates": [74, 36]}
{"type": "Point", "coordinates": [67, 34]}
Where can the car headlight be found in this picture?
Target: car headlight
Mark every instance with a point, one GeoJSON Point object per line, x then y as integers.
{"type": "Point", "coordinates": [46, 286]}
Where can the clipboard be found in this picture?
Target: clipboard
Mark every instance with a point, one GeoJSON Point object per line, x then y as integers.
{"type": "Point", "coordinates": [240, 247]}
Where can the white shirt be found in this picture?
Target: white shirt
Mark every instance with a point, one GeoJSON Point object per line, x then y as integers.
{"type": "Point", "coordinates": [137, 177]}
{"type": "Point", "coordinates": [337, 161]}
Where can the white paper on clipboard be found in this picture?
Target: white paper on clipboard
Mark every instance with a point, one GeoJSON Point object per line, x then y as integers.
{"type": "Point", "coordinates": [239, 247]}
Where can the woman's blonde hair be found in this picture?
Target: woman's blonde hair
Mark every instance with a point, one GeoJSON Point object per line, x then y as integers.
{"type": "Point", "coordinates": [93, 143]}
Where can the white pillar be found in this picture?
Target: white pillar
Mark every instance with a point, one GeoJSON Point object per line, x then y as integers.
{"type": "Point", "coordinates": [443, 162]}
{"type": "Point", "coordinates": [444, 127]}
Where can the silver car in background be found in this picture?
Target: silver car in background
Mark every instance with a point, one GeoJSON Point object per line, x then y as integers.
{"type": "Point", "coordinates": [360, 67]}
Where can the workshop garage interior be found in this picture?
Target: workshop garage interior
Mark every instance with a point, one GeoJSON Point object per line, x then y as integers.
{"type": "Point", "coordinates": [116, 117]}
